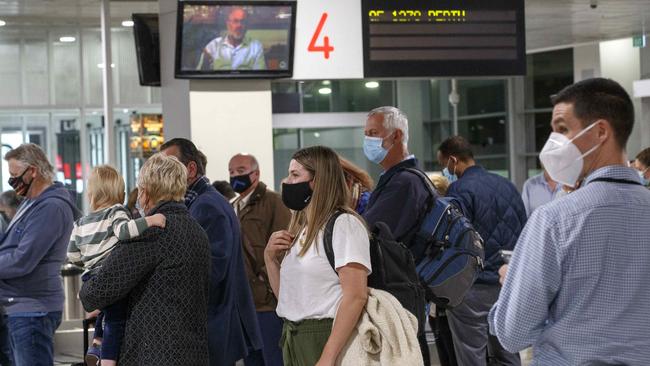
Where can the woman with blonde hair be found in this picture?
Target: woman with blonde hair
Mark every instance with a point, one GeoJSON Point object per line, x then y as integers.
{"type": "Point", "coordinates": [359, 183]}
{"type": "Point", "coordinates": [320, 307]}
{"type": "Point", "coordinates": [162, 275]}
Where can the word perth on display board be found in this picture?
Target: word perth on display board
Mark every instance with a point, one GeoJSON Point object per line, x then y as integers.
{"type": "Point", "coordinates": [443, 38]}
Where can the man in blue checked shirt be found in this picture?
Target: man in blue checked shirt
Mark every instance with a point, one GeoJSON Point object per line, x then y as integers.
{"type": "Point", "coordinates": [578, 287]}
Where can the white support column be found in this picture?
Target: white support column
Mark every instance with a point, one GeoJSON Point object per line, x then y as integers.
{"type": "Point", "coordinates": [107, 77]}
{"type": "Point", "coordinates": [229, 117]}
{"type": "Point", "coordinates": [175, 93]}
{"type": "Point", "coordinates": [83, 130]}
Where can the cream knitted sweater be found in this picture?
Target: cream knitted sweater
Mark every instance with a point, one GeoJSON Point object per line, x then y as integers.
{"type": "Point", "coordinates": [385, 335]}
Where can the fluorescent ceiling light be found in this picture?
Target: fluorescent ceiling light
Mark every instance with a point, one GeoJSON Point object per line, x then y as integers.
{"type": "Point", "coordinates": [127, 23]}
{"type": "Point", "coordinates": [2, 23]}
{"type": "Point", "coordinates": [372, 85]}
{"type": "Point", "coordinates": [101, 66]}
{"type": "Point", "coordinates": [325, 91]}
{"type": "Point", "coordinates": [67, 39]}
{"type": "Point", "coordinates": [326, 82]}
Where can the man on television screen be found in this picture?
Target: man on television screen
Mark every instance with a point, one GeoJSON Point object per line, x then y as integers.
{"type": "Point", "coordinates": [233, 51]}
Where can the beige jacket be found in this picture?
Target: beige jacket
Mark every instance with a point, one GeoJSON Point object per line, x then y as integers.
{"type": "Point", "coordinates": [385, 335]}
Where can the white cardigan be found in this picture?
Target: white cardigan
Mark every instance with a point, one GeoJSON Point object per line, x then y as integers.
{"type": "Point", "coordinates": [386, 334]}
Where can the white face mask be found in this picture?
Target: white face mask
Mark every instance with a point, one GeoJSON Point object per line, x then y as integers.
{"type": "Point", "coordinates": [562, 159]}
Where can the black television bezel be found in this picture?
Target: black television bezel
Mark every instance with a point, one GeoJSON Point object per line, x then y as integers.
{"type": "Point", "coordinates": [234, 74]}
{"type": "Point", "coordinates": [138, 47]}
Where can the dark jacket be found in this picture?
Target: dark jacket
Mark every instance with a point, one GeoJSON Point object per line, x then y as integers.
{"type": "Point", "coordinates": [494, 206]}
{"type": "Point", "coordinates": [263, 215]}
{"type": "Point", "coordinates": [232, 323]}
{"type": "Point", "coordinates": [164, 276]}
{"type": "Point", "coordinates": [399, 200]}
{"type": "Point", "coordinates": [32, 251]}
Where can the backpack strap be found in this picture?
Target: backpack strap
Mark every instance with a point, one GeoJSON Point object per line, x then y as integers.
{"type": "Point", "coordinates": [327, 238]}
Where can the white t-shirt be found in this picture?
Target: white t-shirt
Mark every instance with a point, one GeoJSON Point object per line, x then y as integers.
{"type": "Point", "coordinates": [309, 287]}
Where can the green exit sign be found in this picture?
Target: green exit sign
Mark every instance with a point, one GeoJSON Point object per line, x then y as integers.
{"type": "Point", "coordinates": [638, 41]}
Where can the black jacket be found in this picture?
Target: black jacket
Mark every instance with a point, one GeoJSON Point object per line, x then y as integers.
{"type": "Point", "coordinates": [399, 200]}
{"type": "Point", "coordinates": [164, 275]}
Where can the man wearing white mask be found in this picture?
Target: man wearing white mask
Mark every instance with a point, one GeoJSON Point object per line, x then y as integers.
{"type": "Point", "coordinates": [577, 288]}
{"type": "Point", "coordinates": [400, 197]}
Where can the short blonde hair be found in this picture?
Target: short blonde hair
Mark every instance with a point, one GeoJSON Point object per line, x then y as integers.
{"type": "Point", "coordinates": [440, 183]}
{"type": "Point", "coordinates": [164, 178]}
{"type": "Point", "coordinates": [105, 187]}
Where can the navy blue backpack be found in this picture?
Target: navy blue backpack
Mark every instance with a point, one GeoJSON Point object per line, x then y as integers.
{"type": "Point", "coordinates": [448, 250]}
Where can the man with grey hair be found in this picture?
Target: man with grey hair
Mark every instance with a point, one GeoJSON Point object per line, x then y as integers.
{"type": "Point", "coordinates": [261, 213]}
{"type": "Point", "coordinates": [400, 197]}
{"type": "Point", "coordinates": [31, 254]}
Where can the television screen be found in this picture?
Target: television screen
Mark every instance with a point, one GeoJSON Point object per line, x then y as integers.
{"type": "Point", "coordinates": [147, 48]}
{"type": "Point", "coordinates": [235, 39]}
{"type": "Point", "coordinates": [424, 38]}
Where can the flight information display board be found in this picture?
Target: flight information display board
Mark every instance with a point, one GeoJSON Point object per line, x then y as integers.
{"type": "Point", "coordinates": [421, 38]}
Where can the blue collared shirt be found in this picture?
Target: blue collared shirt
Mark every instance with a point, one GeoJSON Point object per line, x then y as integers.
{"type": "Point", "coordinates": [578, 287]}
{"type": "Point", "coordinates": [537, 192]}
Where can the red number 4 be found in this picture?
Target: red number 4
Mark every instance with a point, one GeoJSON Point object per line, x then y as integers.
{"type": "Point", "coordinates": [325, 48]}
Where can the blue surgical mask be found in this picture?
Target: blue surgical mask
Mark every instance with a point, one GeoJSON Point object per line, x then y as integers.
{"type": "Point", "coordinates": [644, 181]}
{"type": "Point", "coordinates": [372, 147]}
{"type": "Point", "coordinates": [451, 177]}
{"type": "Point", "coordinates": [139, 207]}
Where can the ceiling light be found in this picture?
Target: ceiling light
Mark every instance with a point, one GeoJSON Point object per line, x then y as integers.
{"type": "Point", "coordinates": [325, 91]}
{"type": "Point", "coordinates": [2, 23]}
{"type": "Point", "coordinates": [125, 111]}
{"type": "Point", "coordinates": [372, 85]}
{"type": "Point", "coordinates": [101, 66]}
{"type": "Point", "coordinates": [127, 23]}
{"type": "Point", "coordinates": [67, 39]}
{"type": "Point", "coordinates": [326, 82]}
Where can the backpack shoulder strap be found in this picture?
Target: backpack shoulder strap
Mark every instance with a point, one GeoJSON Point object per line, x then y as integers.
{"type": "Point", "coordinates": [327, 238]}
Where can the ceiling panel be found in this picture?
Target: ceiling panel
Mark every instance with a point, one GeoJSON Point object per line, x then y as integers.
{"type": "Point", "coordinates": [549, 23]}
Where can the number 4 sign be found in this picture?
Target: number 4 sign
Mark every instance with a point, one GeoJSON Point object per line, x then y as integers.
{"type": "Point", "coordinates": [325, 48]}
{"type": "Point", "coordinates": [328, 41]}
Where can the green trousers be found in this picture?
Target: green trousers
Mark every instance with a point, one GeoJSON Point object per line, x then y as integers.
{"type": "Point", "coordinates": [303, 342]}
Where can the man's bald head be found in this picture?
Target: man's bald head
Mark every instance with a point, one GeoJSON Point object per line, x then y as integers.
{"type": "Point", "coordinates": [243, 163]}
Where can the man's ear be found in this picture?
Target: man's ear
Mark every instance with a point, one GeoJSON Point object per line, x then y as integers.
{"type": "Point", "coordinates": [399, 136]}
{"type": "Point", "coordinates": [192, 170]}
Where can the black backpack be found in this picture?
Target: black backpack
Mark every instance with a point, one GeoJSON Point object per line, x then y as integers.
{"type": "Point", "coordinates": [393, 268]}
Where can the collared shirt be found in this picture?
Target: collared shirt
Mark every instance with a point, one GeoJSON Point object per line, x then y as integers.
{"type": "Point", "coordinates": [578, 286]}
{"type": "Point", "coordinates": [537, 192]}
{"type": "Point", "coordinates": [240, 202]}
{"type": "Point", "coordinates": [248, 55]}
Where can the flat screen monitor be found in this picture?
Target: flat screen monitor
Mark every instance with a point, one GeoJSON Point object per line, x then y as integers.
{"type": "Point", "coordinates": [147, 48]}
{"type": "Point", "coordinates": [235, 39]}
{"type": "Point", "coordinates": [432, 38]}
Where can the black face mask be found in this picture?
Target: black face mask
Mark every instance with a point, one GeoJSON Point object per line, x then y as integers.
{"type": "Point", "coordinates": [18, 184]}
{"type": "Point", "coordinates": [296, 196]}
{"type": "Point", "coordinates": [241, 183]}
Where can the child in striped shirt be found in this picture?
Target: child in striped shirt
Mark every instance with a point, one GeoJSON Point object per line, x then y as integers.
{"type": "Point", "coordinates": [93, 237]}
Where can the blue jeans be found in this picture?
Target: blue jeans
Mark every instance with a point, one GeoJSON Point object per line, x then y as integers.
{"type": "Point", "coordinates": [114, 322]}
{"type": "Point", "coordinates": [271, 354]}
{"type": "Point", "coordinates": [6, 358]}
{"type": "Point", "coordinates": [31, 336]}
{"type": "Point", "coordinates": [110, 326]}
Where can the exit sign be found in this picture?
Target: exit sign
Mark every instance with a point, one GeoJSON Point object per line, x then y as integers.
{"type": "Point", "coordinates": [639, 41]}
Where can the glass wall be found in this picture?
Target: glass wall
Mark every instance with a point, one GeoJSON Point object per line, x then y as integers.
{"type": "Point", "coordinates": [52, 84]}
{"type": "Point", "coordinates": [548, 73]}
{"type": "Point", "coordinates": [482, 114]}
